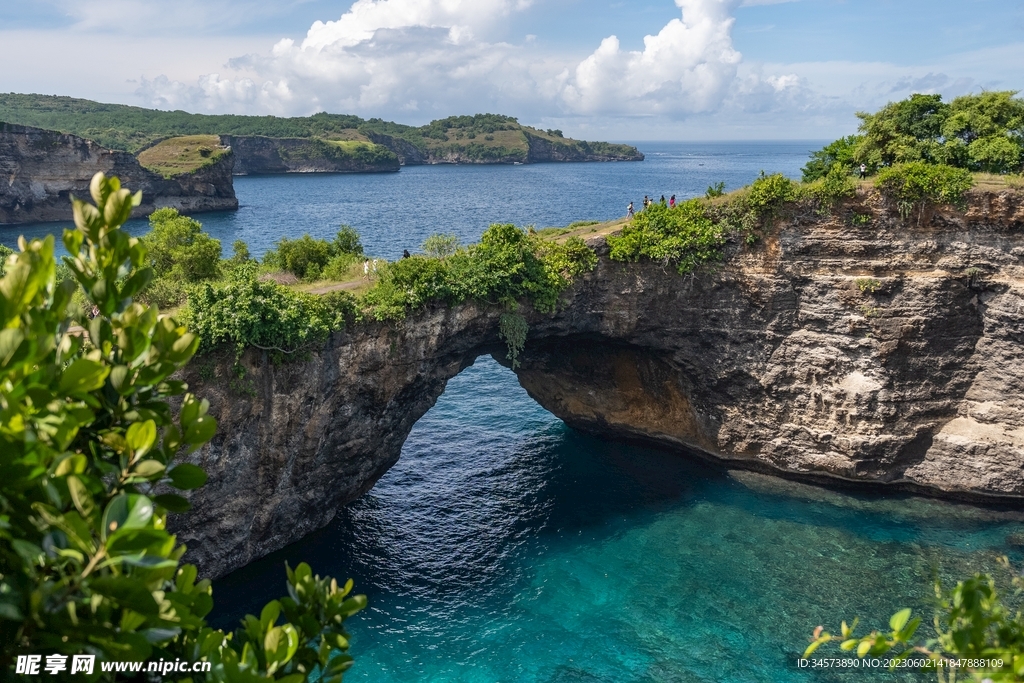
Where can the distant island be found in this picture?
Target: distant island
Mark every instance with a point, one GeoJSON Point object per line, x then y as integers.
{"type": "Point", "coordinates": [322, 142]}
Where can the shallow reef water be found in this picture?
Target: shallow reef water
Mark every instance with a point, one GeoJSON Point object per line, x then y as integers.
{"type": "Point", "coordinates": [504, 546]}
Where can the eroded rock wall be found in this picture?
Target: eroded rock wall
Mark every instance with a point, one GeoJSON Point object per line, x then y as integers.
{"type": "Point", "coordinates": [542, 150]}
{"type": "Point", "coordinates": [41, 169]}
{"type": "Point", "coordinates": [889, 353]}
{"type": "Point", "coordinates": [258, 155]}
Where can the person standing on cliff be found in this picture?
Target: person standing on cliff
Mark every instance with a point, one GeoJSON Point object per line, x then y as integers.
{"type": "Point", "coordinates": [629, 210]}
{"type": "Point", "coordinates": [672, 202]}
{"type": "Point", "coordinates": [366, 269]}
{"type": "Point", "coordinates": [662, 200]}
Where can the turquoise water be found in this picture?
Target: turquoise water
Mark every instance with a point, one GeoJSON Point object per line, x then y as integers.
{"type": "Point", "coordinates": [506, 547]}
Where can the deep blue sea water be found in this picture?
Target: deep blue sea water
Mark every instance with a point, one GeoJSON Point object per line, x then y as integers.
{"type": "Point", "coordinates": [396, 211]}
{"type": "Point", "coordinates": [506, 547]}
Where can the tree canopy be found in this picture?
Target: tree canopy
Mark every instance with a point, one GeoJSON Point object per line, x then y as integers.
{"type": "Point", "coordinates": [982, 132]}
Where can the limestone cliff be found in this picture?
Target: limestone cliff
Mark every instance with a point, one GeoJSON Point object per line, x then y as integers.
{"type": "Point", "coordinates": [40, 169]}
{"type": "Point", "coordinates": [527, 146]}
{"type": "Point", "coordinates": [888, 353]}
{"type": "Point", "coordinates": [258, 155]}
{"type": "Point", "coordinates": [546, 150]}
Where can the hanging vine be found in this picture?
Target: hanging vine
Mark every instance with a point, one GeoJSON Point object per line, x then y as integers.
{"type": "Point", "coordinates": [512, 328]}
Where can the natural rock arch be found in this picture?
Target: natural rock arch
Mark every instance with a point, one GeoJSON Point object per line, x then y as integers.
{"type": "Point", "coordinates": [779, 361]}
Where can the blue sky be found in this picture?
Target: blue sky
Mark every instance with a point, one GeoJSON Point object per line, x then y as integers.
{"type": "Point", "coordinates": [665, 69]}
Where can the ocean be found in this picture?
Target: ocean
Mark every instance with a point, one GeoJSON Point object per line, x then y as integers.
{"type": "Point", "coordinates": [397, 211]}
{"type": "Point", "coordinates": [505, 546]}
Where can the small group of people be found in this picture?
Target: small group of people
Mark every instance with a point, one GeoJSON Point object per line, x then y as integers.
{"type": "Point", "coordinates": [370, 266]}
{"type": "Point", "coordinates": [671, 203]}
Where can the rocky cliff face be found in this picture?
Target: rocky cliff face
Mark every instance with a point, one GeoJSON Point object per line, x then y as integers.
{"type": "Point", "coordinates": [537, 150]}
{"type": "Point", "coordinates": [256, 155]}
{"type": "Point", "coordinates": [545, 151]}
{"type": "Point", "coordinates": [888, 353]}
{"type": "Point", "coordinates": [40, 169]}
{"type": "Point", "coordinates": [408, 154]}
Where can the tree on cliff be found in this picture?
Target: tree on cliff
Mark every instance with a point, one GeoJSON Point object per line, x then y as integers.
{"type": "Point", "coordinates": [976, 132]}
{"type": "Point", "coordinates": [90, 452]}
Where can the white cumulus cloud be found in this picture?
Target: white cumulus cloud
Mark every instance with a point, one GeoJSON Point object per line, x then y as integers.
{"type": "Point", "coordinates": [366, 17]}
{"type": "Point", "coordinates": [437, 57]}
{"type": "Point", "coordinates": [686, 68]}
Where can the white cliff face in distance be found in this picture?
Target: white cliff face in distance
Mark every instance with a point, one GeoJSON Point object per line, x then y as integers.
{"type": "Point", "coordinates": [42, 168]}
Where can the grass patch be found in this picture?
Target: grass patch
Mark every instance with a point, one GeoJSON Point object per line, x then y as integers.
{"type": "Point", "coordinates": [575, 226]}
{"type": "Point", "coordinates": [997, 182]}
{"type": "Point", "coordinates": [182, 155]}
{"type": "Point", "coordinates": [553, 232]}
{"type": "Point", "coordinates": [353, 147]}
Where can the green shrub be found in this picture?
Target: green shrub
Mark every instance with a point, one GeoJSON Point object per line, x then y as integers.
{"type": "Point", "coordinates": [506, 266]}
{"type": "Point", "coordinates": [308, 257]}
{"type": "Point", "coordinates": [409, 284]}
{"type": "Point", "coordinates": [768, 193]}
{"type": "Point", "coordinates": [179, 249]}
{"type": "Point", "coordinates": [88, 440]}
{"type": "Point", "coordinates": [716, 190]}
{"type": "Point", "coordinates": [836, 186]}
{"type": "Point", "coordinates": [913, 185]}
{"type": "Point", "coordinates": [503, 268]}
{"type": "Point", "coordinates": [245, 311]}
{"type": "Point", "coordinates": [164, 292]}
{"type": "Point", "coordinates": [347, 242]}
{"type": "Point", "coordinates": [305, 257]}
{"type": "Point", "coordinates": [867, 285]}
{"type": "Point", "coordinates": [565, 261]}
{"type": "Point", "coordinates": [339, 266]}
{"type": "Point", "coordinates": [841, 154]}
{"type": "Point", "coordinates": [684, 236]}
{"type": "Point", "coordinates": [440, 245]}
{"type": "Point", "coordinates": [240, 251]}
{"type": "Point", "coordinates": [5, 253]}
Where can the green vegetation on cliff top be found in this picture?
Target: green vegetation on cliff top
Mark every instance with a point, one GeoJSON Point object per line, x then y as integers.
{"type": "Point", "coordinates": [980, 133]}
{"type": "Point", "coordinates": [482, 137]}
{"type": "Point", "coordinates": [182, 155]}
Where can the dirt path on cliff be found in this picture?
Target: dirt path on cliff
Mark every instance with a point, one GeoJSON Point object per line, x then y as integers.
{"type": "Point", "coordinates": [338, 287]}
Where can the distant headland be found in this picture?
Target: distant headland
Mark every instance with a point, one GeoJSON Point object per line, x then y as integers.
{"type": "Point", "coordinates": [322, 141]}
{"type": "Point", "coordinates": [50, 146]}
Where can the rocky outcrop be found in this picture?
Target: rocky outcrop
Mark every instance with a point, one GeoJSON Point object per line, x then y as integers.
{"type": "Point", "coordinates": [408, 154]}
{"type": "Point", "coordinates": [40, 169]}
{"type": "Point", "coordinates": [536, 150]}
{"type": "Point", "coordinates": [256, 155]}
{"type": "Point", "coordinates": [888, 354]}
{"type": "Point", "coordinates": [544, 150]}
